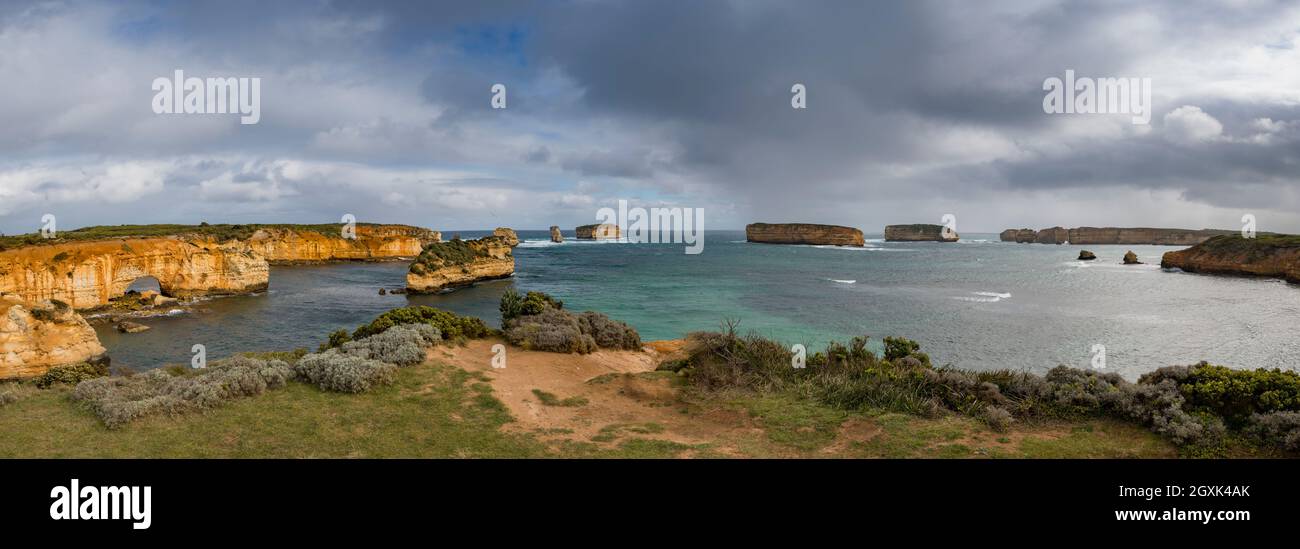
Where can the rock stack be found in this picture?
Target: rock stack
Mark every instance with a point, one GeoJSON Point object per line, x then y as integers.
{"type": "Point", "coordinates": [555, 234]}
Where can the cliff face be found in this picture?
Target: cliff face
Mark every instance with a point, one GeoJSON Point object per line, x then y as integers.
{"type": "Point", "coordinates": [35, 337]}
{"type": "Point", "coordinates": [88, 274]}
{"type": "Point", "coordinates": [917, 233]}
{"type": "Point", "coordinates": [460, 263]}
{"type": "Point", "coordinates": [372, 243]}
{"type": "Point", "coordinates": [1113, 235]}
{"type": "Point", "coordinates": [1275, 256]}
{"type": "Point", "coordinates": [1142, 235]}
{"type": "Point", "coordinates": [600, 231]}
{"type": "Point", "coordinates": [1054, 235]}
{"type": "Point", "coordinates": [803, 233]}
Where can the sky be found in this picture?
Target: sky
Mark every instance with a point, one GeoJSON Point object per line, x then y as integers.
{"type": "Point", "coordinates": [914, 110]}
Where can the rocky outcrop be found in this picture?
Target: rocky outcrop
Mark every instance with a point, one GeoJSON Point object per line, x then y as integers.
{"type": "Point", "coordinates": [803, 233]}
{"type": "Point", "coordinates": [313, 244]}
{"type": "Point", "coordinates": [1267, 255]}
{"type": "Point", "coordinates": [1131, 258]}
{"type": "Point", "coordinates": [460, 263]}
{"type": "Point", "coordinates": [556, 235]}
{"type": "Point", "coordinates": [920, 232]}
{"type": "Point", "coordinates": [507, 234]}
{"type": "Point", "coordinates": [1054, 235]}
{"type": "Point", "coordinates": [1085, 255]}
{"type": "Point", "coordinates": [599, 231]}
{"type": "Point", "coordinates": [1113, 235]}
{"type": "Point", "coordinates": [1140, 235]}
{"type": "Point", "coordinates": [89, 274]}
{"type": "Point", "coordinates": [36, 337]}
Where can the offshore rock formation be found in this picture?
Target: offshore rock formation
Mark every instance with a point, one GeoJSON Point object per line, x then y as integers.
{"type": "Point", "coordinates": [36, 337]}
{"type": "Point", "coordinates": [1131, 258]}
{"type": "Point", "coordinates": [1054, 235]}
{"type": "Point", "coordinates": [556, 236]}
{"type": "Point", "coordinates": [507, 234]}
{"type": "Point", "coordinates": [920, 232]}
{"type": "Point", "coordinates": [803, 233]}
{"type": "Point", "coordinates": [1113, 235]}
{"type": "Point", "coordinates": [1268, 255]}
{"type": "Point", "coordinates": [599, 231]}
{"type": "Point", "coordinates": [460, 263]}
{"type": "Point", "coordinates": [286, 244]}
{"type": "Point", "coordinates": [1085, 255]}
{"type": "Point", "coordinates": [89, 274]}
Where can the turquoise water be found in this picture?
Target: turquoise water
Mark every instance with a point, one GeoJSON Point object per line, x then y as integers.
{"type": "Point", "coordinates": [978, 303]}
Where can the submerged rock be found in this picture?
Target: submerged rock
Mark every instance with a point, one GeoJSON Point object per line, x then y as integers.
{"type": "Point", "coordinates": [128, 327]}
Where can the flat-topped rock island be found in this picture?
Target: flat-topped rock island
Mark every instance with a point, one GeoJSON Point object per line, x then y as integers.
{"type": "Point", "coordinates": [803, 233]}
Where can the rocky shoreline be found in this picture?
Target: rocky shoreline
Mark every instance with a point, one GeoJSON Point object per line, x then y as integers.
{"type": "Point", "coordinates": [460, 263]}
{"type": "Point", "coordinates": [1266, 255]}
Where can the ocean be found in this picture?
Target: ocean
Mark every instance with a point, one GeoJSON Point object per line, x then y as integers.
{"type": "Point", "coordinates": [978, 303]}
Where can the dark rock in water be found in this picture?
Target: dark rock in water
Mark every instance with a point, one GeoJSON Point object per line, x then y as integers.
{"type": "Point", "coordinates": [383, 291]}
{"type": "Point", "coordinates": [1085, 255]}
{"type": "Point", "coordinates": [396, 291]}
{"type": "Point", "coordinates": [1131, 258]}
{"type": "Point", "coordinates": [128, 327]}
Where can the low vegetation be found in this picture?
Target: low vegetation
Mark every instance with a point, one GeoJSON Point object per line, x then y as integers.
{"type": "Point", "coordinates": [1200, 407]}
{"type": "Point", "coordinates": [438, 255]}
{"type": "Point", "coordinates": [538, 322]}
{"type": "Point", "coordinates": [71, 374]}
{"type": "Point", "coordinates": [450, 325]}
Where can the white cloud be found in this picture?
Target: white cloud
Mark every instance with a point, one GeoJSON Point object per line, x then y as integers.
{"type": "Point", "coordinates": [1190, 125]}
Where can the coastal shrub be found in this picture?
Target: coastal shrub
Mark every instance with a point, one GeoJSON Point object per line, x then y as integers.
{"type": "Point", "coordinates": [609, 333]}
{"type": "Point", "coordinates": [335, 371]}
{"type": "Point", "coordinates": [1234, 395]}
{"type": "Point", "coordinates": [1278, 429]}
{"type": "Point", "coordinates": [539, 322]}
{"type": "Point", "coordinates": [514, 305]}
{"type": "Point", "coordinates": [1192, 406]}
{"type": "Point", "coordinates": [450, 325]}
{"type": "Point", "coordinates": [400, 345]}
{"type": "Point", "coordinates": [553, 330]}
{"type": "Point", "coordinates": [72, 373]}
{"type": "Point", "coordinates": [120, 400]}
{"type": "Point", "coordinates": [336, 339]}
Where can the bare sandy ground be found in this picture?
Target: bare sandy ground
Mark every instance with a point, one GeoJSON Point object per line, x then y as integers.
{"type": "Point", "coordinates": [621, 397]}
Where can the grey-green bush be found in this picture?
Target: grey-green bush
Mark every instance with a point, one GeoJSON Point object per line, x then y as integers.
{"type": "Point", "coordinates": [1280, 429]}
{"type": "Point", "coordinates": [402, 345]}
{"type": "Point", "coordinates": [120, 400]}
{"type": "Point", "coordinates": [559, 331]}
{"type": "Point", "coordinates": [333, 370]}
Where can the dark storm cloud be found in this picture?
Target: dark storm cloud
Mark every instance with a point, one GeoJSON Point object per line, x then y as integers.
{"type": "Point", "coordinates": [913, 107]}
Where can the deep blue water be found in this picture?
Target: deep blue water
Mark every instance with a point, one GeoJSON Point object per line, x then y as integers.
{"type": "Point", "coordinates": [978, 303]}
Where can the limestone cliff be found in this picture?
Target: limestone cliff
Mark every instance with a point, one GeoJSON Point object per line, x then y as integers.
{"type": "Point", "coordinates": [36, 337]}
{"type": "Point", "coordinates": [920, 232]}
{"type": "Point", "coordinates": [599, 231]}
{"type": "Point", "coordinates": [87, 274]}
{"type": "Point", "coordinates": [507, 234]}
{"type": "Point", "coordinates": [1269, 255]}
{"type": "Point", "coordinates": [1113, 235]}
{"type": "Point", "coordinates": [460, 263]}
{"type": "Point", "coordinates": [287, 244]}
{"type": "Point", "coordinates": [1054, 235]}
{"type": "Point", "coordinates": [803, 233]}
{"type": "Point", "coordinates": [556, 236]}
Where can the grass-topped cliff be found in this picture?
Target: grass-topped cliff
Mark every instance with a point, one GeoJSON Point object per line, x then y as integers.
{"type": "Point", "coordinates": [220, 232]}
{"type": "Point", "coordinates": [1267, 254]}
